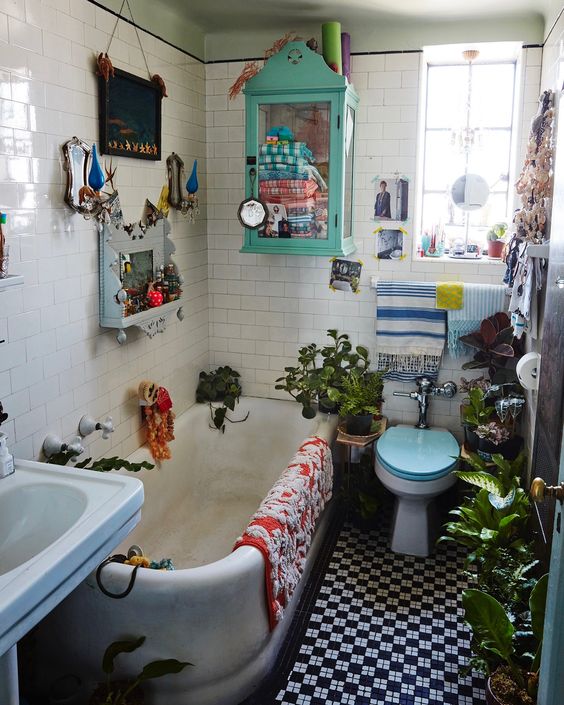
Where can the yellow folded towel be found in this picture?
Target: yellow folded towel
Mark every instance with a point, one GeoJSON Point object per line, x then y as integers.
{"type": "Point", "coordinates": [450, 295]}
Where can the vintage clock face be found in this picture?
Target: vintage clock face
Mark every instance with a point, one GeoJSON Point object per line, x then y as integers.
{"type": "Point", "coordinates": [252, 213]}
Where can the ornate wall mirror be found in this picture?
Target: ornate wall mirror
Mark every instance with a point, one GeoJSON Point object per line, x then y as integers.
{"type": "Point", "coordinates": [77, 158]}
{"type": "Point", "coordinates": [139, 283]}
{"type": "Point", "coordinates": [470, 192]}
{"type": "Point", "coordinates": [176, 178]}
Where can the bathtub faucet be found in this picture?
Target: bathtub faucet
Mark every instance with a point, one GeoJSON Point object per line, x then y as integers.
{"type": "Point", "coordinates": [427, 388]}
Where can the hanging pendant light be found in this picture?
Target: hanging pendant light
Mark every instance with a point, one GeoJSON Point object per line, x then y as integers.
{"type": "Point", "coordinates": [465, 138]}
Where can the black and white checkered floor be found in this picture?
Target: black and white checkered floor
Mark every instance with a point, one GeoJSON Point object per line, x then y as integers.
{"type": "Point", "coordinates": [385, 629]}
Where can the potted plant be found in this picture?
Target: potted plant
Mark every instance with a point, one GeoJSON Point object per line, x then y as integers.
{"type": "Point", "coordinates": [497, 348]}
{"type": "Point", "coordinates": [475, 412]}
{"type": "Point", "coordinates": [220, 385]}
{"type": "Point", "coordinates": [503, 653]}
{"type": "Point", "coordinates": [128, 691]}
{"type": "Point", "coordinates": [321, 371]}
{"type": "Point", "coordinates": [360, 399]}
{"type": "Point", "coordinates": [496, 243]}
{"type": "Point", "coordinates": [492, 524]}
{"type": "Point", "coordinates": [493, 437]}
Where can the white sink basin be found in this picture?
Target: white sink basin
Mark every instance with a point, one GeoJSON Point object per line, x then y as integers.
{"type": "Point", "coordinates": [56, 525]}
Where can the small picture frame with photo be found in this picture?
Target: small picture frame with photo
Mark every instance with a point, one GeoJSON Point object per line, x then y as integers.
{"type": "Point", "coordinates": [391, 198]}
{"type": "Point", "coordinates": [345, 275]}
{"type": "Point", "coordinates": [391, 243]}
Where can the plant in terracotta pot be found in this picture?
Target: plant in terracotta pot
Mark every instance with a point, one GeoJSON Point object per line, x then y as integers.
{"type": "Point", "coordinates": [510, 657]}
{"type": "Point", "coordinates": [220, 386]}
{"type": "Point", "coordinates": [496, 243]}
{"type": "Point", "coordinates": [129, 691]}
{"type": "Point", "coordinates": [360, 400]}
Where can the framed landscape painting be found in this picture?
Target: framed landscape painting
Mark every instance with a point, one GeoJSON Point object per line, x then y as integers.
{"type": "Point", "coordinates": [130, 116]}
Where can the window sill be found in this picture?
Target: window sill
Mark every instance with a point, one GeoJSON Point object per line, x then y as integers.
{"type": "Point", "coordinates": [445, 259]}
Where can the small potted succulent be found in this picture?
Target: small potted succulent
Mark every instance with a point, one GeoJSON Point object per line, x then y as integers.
{"type": "Point", "coordinates": [496, 438]}
{"type": "Point", "coordinates": [496, 243]}
{"type": "Point", "coordinates": [360, 400]}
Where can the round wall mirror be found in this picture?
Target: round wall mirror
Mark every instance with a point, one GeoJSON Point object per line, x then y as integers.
{"type": "Point", "coordinates": [470, 192]}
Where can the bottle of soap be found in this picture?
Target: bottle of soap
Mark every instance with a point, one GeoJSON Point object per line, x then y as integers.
{"type": "Point", "coordinates": [6, 460]}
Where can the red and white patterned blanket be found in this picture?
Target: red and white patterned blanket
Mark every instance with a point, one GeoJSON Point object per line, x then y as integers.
{"type": "Point", "coordinates": [284, 524]}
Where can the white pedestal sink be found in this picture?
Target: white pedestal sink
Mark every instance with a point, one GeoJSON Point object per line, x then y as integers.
{"type": "Point", "coordinates": [56, 525]}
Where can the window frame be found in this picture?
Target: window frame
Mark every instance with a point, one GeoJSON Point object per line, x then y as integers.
{"type": "Point", "coordinates": [427, 63]}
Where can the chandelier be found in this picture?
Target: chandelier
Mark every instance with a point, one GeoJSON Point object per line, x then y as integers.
{"type": "Point", "coordinates": [466, 137]}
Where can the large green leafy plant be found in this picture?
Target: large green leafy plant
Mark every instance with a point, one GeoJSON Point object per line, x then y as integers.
{"type": "Point", "coordinates": [511, 655]}
{"type": "Point", "coordinates": [101, 465]}
{"type": "Point", "coordinates": [125, 692]}
{"type": "Point", "coordinates": [321, 372]}
{"type": "Point", "coordinates": [492, 525]}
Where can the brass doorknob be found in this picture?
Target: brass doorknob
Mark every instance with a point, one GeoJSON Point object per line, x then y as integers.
{"type": "Point", "coordinates": [539, 490]}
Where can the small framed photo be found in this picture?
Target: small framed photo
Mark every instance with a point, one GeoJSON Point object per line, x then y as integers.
{"type": "Point", "coordinates": [391, 198]}
{"type": "Point", "coordinates": [345, 275]}
{"type": "Point", "coordinates": [390, 243]}
{"type": "Point", "coordinates": [130, 116]}
{"type": "Point", "coordinates": [276, 215]}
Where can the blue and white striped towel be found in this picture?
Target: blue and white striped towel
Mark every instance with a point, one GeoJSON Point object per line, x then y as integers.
{"type": "Point", "coordinates": [411, 332]}
{"type": "Point", "coordinates": [480, 301]}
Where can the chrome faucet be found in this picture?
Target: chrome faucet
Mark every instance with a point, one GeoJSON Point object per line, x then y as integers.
{"type": "Point", "coordinates": [427, 388]}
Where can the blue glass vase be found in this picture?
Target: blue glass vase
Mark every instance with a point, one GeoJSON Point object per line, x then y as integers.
{"type": "Point", "coordinates": [96, 178]}
{"type": "Point", "coordinates": [192, 183]}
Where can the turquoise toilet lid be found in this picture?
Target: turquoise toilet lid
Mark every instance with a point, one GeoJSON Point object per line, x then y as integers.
{"type": "Point", "coordinates": [417, 454]}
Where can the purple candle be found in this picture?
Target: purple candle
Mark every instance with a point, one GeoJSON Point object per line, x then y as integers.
{"type": "Point", "coordinates": [346, 53]}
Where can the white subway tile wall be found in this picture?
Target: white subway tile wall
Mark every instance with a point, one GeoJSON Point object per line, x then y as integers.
{"type": "Point", "coordinates": [264, 307]}
{"type": "Point", "coordinates": [57, 363]}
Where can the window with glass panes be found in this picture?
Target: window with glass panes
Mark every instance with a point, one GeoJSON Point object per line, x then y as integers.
{"type": "Point", "coordinates": [490, 106]}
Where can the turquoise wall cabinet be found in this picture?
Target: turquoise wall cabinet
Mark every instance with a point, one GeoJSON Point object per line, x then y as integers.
{"type": "Point", "coordinates": [300, 132]}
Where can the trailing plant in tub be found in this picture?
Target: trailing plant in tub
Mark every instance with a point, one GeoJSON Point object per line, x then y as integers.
{"type": "Point", "coordinates": [101, 465]}
{"type": "Point", "coordinates": [220, 386]}
{"type": "Point", "coordinates": [129, 691]}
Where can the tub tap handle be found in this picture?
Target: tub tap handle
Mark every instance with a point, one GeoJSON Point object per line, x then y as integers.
{"type": "Point", "coordinates": [88, 425]}
{"type": "Point", "coordinates": [53, 445]}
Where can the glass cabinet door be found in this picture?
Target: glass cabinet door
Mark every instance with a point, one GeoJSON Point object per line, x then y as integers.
{"type": "Point", "coordinates": [349, 172]}
{"type": "Point", "coordinates": [294, 141]}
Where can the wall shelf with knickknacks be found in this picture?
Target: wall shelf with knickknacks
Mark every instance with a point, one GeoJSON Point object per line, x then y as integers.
{"type": "Point", "coordinates": [139, 283]}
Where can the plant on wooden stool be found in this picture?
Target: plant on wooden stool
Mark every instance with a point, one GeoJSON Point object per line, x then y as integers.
{"type": "Point", "coordinates": [360, 399]}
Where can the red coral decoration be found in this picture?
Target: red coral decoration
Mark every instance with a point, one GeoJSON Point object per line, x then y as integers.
{"type": "Point", "coordinates": [252, 68]}
{"type": "Point", "coordinates": [105, 66]}
{"type": "Point", "coordinates": [161, 84]}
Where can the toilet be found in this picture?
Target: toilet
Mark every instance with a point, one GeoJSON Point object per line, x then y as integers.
{"type": "Point", "coordinates": [416, 466]}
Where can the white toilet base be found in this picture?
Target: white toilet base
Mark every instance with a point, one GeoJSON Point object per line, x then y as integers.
{"type": "Point", "coordinates": [415, 526]}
